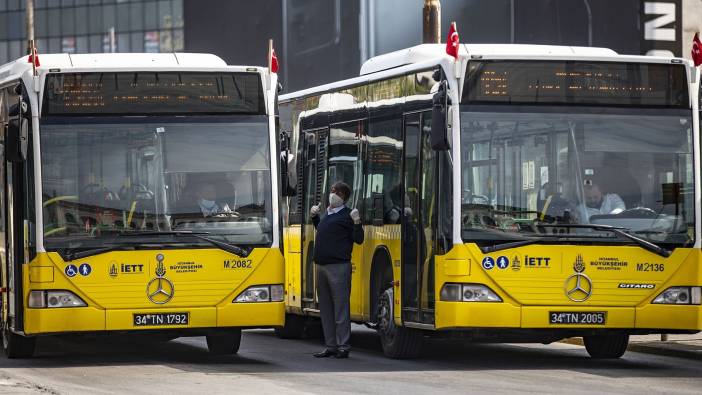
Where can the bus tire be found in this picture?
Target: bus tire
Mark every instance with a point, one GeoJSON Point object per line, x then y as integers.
{"type": "Point", "coordinates": [397, 342]}
{"type": "Point", "coordinates": [606, 346]}
{"type": "Point", "coordinates": [294, 327]}
{"type": "Point", "coordinates": [224, 343]}
{"type": "Point", "coordinates": [16, 347]}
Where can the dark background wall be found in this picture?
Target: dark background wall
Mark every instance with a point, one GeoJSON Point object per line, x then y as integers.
{"type": "Point", "coordinates": [320, 41]}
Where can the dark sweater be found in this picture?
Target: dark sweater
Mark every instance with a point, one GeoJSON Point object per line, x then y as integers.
{"type": "Point", "coordinates": [336, 234]}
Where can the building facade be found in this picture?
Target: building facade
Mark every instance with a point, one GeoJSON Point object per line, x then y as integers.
{"type": "Point", "coordinates": [89, 26]}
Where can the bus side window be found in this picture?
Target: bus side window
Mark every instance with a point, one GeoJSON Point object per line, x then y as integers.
{"type": "Point", "coordinates": [383, 176]}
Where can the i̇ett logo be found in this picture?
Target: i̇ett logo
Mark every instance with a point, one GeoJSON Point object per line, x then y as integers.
{"type": "Point", "coordinates": [160, 289]}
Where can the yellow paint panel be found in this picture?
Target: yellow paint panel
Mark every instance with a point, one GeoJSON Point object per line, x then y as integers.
{"type": "Point", "coordinates": [457, 267]}
{"type": "Point", "coordinates": [473, 315]}
{"type": "Point", "coordinates": [41, 274]}
{"type": "Point", "coordinates": [669, 317]}
{"type": "Point", "coordinates": [43, 321]}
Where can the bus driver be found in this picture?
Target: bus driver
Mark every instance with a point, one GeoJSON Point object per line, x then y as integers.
{"type": "Point", "coordinates": [599, 203]}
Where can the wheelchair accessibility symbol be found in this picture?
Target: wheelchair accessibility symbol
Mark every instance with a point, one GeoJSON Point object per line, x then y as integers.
{"type": "Point", "coordinates": [71, 270]}
{"type": "Point", "coordinates": [488, 263]}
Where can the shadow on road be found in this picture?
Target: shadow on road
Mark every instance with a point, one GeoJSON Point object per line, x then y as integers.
{"type": "Point", "coordinates": [262, 352]}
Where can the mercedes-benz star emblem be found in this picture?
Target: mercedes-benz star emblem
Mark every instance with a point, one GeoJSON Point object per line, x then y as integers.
{"type": "Point", "coordinates": [578, 287]}
{"type": "Point", "coordinates": [160, 289]}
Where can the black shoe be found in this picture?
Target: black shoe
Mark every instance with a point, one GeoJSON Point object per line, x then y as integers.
{"type": "Point", "coordinates": [325, 354]}
{"type": "Point", "coordinates": [342, 354]}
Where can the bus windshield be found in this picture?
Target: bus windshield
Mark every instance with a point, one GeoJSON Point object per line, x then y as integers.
{"type": "Point", "coordinates": [106, 177]}
{"type": "Point", "coordinates": [526, 171]}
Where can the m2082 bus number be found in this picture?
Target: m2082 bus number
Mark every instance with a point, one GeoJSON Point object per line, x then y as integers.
{"type": "Point", "coordinates": [650, 267]}
{"type": "Point", "coordinates": [238, 264]}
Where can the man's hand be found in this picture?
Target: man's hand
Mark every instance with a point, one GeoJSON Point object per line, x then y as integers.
{"type": "Point", "coordinates": [314, 210]}
{"type": "Point", "coordinates": [355, 216]}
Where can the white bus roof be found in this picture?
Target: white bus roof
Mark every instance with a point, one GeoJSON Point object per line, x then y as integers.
{"type": "Point", "coordinates": [120, 61]}
{"type": "Point", "coordinates": [392, 63]}
{"type": "Point", "coordinates": [426, 52]}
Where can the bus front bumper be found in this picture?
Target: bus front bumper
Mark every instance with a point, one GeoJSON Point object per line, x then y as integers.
{"type": "Point", "coordinates": [460, 315]}
{"type": "Point", "coordinates": [90, 319]}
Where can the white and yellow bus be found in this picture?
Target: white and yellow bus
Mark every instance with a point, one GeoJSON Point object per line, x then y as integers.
{"type": "Point", "coordinates": [138, 195]}
{"type": "Point", "coordinates": [515, 193]}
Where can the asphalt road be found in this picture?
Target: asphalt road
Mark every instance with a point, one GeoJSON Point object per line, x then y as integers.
{"type": "Point", "coordinates": [267, 365]}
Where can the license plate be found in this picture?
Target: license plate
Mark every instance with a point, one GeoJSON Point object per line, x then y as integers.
{"type": "Point", "coordinates": [158, 319]}
{"type": "Point", "coordinates": [577, 318]}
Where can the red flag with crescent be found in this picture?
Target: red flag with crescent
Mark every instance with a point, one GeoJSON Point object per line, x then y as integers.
{"type": "Point", "coordinates": [697, 50]}
{"type": "Point", "coordinates": [452, 41]}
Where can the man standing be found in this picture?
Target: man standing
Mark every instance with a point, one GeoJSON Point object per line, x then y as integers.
{"type": "Point", "coordinates": [336, 233]}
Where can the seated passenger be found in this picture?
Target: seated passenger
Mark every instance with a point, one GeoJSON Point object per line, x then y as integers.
{"type": "Point", "coordinates": [599, 203]}
{"type": "Point", "coordinates": [206, 195]}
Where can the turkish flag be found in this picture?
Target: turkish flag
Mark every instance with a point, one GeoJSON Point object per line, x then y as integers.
{"type": "Point", "coordinates": [452, 41]}
{"type": "Point", "coordinates": [697, 50]}
{"type": "Point", "coordinates": [274, 62]}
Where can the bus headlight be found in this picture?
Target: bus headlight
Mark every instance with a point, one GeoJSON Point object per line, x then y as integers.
{"type": "Point", "coordinates": [54, 299]}
{"type": "Point", "coordinates": [453, 292]}
{"type": "Point", "coordinates": [680, 295]}
{"type": "Point", "coordinates": [261, 293]}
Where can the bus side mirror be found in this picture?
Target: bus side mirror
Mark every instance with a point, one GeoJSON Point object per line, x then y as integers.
{"type": "Point", "coordinates": [439, 131]}
{"type": "Point", "coordinates": [16, 140]}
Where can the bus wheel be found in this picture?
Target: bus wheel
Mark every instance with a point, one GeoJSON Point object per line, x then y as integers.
{"type": "Point", "coordinates": [16, 346]}
{"type": "Point", "coordinates": [606, 346]}
{"type": "Point", "coordinates": [224, 343]}
{"type": "Point", "coordinates": [294, 327]}
{"type": "Point", "coordinates": [398, 342]}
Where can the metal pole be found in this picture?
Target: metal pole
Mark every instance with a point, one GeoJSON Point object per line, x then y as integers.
{"type": "Point", "coordinates": [30, 26]}
{"type": "Point", "coordinates": [432, 22]}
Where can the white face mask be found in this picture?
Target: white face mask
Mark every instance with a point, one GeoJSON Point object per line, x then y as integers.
{"type": "Point", "coordinates": [207, 204]}
{"type": "Point", "coordinates": [335, 201]}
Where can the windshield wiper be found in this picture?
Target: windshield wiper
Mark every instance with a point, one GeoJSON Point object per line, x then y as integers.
{"type": "Point", "coordinates": [511, 244]}
{"type": "Point", "coordinates": [236, 250]}
{"type": "Point", "coordinates": [72, 255]}
{"type": "Point", "coordinates": [619, 231]}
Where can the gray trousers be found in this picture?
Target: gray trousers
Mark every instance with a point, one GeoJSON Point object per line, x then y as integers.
{"type": "Point", "coordinates": [333, 293]}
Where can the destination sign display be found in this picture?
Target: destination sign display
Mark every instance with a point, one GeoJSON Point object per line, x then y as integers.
{"type": "Point", "coordinates": [153, 93]}
{"type": "Point", "coordinates": [576, 82]}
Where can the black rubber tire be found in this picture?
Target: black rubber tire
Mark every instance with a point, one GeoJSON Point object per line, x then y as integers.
{"type": "Point", "coordinates": [606, 346]}
{"type": "Point", "coordinates": [398, 342]}
{"type": "Point", "coordinates": [224, 343]}
{"type": "Point", "coordinates": [294, 327]}
{"type": "Point", "coordinates": [16, 346]}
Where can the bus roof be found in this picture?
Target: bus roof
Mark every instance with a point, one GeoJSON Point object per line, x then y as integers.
{"type": "Point", "coordinates": [389, 64]}
{"type": "Point", "coordinates": [425, 52]}
{"type": "Point", "coordinates": [117, 61]}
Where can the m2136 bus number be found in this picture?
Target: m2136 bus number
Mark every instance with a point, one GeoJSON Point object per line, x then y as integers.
{"type": "Point", "coordinates": [650, 267]}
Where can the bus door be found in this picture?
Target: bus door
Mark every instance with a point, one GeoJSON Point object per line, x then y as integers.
{"type": "Point", "coordinates": [418, 220]}
{"type": "Point", "coordinates": [314, 181]}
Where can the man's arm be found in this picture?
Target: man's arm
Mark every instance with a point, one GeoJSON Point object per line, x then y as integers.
{"type": "Point", "coordinates": [357, 232]}
{"type": "Point", "coordinates": [314, 212]}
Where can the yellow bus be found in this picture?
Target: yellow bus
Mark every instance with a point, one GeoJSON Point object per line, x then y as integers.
{"type": "Point", "coordinates": [516, 193]}
{"type": "Point", "coordinates": [138, 196]}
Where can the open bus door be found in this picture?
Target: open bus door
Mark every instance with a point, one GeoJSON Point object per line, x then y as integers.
{"type": "Point", "coordinates": [14, 200]}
